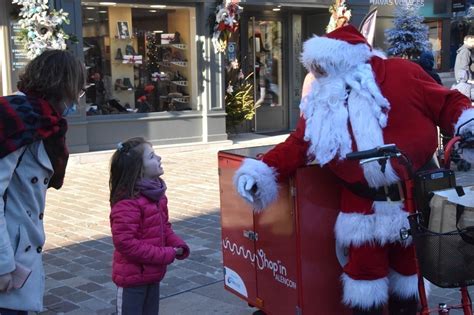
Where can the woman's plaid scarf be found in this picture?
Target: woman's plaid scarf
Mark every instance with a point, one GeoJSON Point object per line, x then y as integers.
{"type": "Point", "coordinates": [24, 120]}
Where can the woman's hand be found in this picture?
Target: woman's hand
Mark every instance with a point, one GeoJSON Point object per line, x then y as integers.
{"type": "Point", "coordinates": [6, 282]}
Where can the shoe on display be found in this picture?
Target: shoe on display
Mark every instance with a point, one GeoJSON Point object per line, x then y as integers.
{"type": "Point", "coordinates": [176, 39]}
{"type": "Point", "coordinates": [119, 85]}
{"type": "Point", "coordinates": [128, 83]}
{"type": "Point", "coordinates": [178, 77]}
{"type": "Point", "coordinates": [167, 54]}
{"type": "Point", "coordinates": [129, 50]}
{"type": "Point", "coordinates": [177, 56]}
{"type": "Point", "coordinates": [119, 55]}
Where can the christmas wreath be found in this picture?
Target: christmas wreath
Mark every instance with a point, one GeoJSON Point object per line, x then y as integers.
{"type": "Point", "coordinates": [226, 23]}
{"type": "Point", "coordinates": [41, 28]}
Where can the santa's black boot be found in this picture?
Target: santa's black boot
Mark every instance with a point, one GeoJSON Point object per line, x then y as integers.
{"type": "Point", "coordinates": [369, 311]}
{"type": "Point", "coordinates": [398, 306]}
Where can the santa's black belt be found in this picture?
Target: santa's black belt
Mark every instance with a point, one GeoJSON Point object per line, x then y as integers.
{"type": "Point", "coordinates": [394, 192]}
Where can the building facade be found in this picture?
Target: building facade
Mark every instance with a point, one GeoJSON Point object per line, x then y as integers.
{"type": "Point", "coordinates": [152, 70]}
{"type": "Point", "coordinates": [437, 15]}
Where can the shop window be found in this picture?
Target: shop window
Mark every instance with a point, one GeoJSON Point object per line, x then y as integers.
{"type": "Point", "coordinates": [434, 36]}
{"type": "Point", "coordinates": [139, 59]}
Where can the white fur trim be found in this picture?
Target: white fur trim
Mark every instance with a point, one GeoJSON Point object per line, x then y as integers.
{"type": "Point", "coordinates": [354, 228]}
{"type": "Point", "coordinates": [265, 179]}
{"type": "Point", "coordinates": [467, 154]}
{"type": "Point", "coordinates": [390, 218]}
{"type": "Point", "coordinates": [382, 227]}
{"type": "Point", "coordinates": [333, 55]}
{"type": "Point", "coordinates": [465, 116]}
{"type": "Point", "coordinates": [404, 287]}
{"type": "Point", "coordinates": [364, 294]}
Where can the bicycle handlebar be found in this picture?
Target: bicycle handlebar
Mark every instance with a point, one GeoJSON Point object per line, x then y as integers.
{"type": "Point", "coordinates": [381, 152]}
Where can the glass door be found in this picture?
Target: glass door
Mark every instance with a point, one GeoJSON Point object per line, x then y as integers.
{"type": "Point", "coordinates": [265, 54]}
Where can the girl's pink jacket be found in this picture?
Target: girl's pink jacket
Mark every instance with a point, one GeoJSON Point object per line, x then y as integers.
{"type": "Point", "coordinates": [144, 241]}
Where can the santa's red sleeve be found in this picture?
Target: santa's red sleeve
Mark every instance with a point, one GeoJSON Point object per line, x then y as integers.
{"type": "Point", "coordinates": [287, 156]}
{"type": "Point", "coordinates": [277, 164]}
{"type": "Point", "coordinates": [280, 162]}
{"type": "Point", "coordinates": [447, 108]}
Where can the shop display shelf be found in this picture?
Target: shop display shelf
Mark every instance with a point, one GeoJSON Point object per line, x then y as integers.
{"type": "Point", "coordinates": [183, 99]}
{"type": "Point", "coordinates": [180, 63]}
{"type": "Point", "coordinates": [180, 46]}
{"type": "Point", "coordinates": [181, 83]}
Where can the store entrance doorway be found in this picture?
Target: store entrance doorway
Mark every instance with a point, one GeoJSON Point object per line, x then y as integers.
{"type": "Point", "coordinates": [266, 59]}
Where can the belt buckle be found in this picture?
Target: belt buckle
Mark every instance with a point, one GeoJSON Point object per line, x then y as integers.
{"type": "Point", "coordinates": [400, 192]}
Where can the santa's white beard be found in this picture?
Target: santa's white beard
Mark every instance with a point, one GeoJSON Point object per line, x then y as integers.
{"type": "Point", "coordinates": [328, 114]}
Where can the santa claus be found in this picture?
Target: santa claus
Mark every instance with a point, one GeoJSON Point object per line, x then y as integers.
{"type": "Point", "coordinates": [354, 100]}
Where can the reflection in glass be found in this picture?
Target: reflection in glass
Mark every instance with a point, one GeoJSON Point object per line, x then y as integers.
{"type": "Point", "coordinates": [265, 42]}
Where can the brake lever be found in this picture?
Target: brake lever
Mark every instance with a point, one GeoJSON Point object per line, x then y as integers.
{"type": "Point", "coordinates": [374, 159]}
{"type": "Point", "coordinates": [378, 158]}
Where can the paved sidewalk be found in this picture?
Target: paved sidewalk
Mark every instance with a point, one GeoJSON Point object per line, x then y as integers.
{"type": "Point", "coordinates": [78, 251]}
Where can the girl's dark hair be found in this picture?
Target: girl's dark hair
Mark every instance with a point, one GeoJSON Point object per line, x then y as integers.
{"type": "Point", "coordinates": [126, 169]}
{"type": "Point", "coordinates": [56, 76]}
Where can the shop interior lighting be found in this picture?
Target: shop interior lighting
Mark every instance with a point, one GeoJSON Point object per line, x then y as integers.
{"type": "Point", "coordinates": [108, 3]}
{"type": "Point", "coordinates": [276, 9]}
{"type": "Point", "coordinates": [158, 31]}
{"type": "Point", "coordinates": [158, 6]}
{"type": "Point", "coordinates": [102, 11]}
{"type": "Point", "coordinates": [90, 8]}
{"type": "Point", "coordinates": [152, 11]}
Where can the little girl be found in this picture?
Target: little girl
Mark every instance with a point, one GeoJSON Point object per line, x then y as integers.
{"type": "Point", "coordinates": [143, 238]}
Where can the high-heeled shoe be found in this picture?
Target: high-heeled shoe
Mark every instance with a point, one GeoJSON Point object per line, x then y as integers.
{"type": "Point", "coordinates": [119, 55]}
{"type": "Point", "coordinates": [178, 77]}
{"type": "Point", "coordinates": [128, 84]}
{"type": "Point", "coordinates": [176, 39]}
{"type": "Point", "coordinates": [119, 85]}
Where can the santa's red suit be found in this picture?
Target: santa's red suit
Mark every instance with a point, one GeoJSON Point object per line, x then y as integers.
{"type": "Point", "coordinates": [359, 101]}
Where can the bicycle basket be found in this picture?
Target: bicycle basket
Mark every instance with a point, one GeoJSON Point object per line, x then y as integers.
{"type": "Point", "coordinates": [445, 246]}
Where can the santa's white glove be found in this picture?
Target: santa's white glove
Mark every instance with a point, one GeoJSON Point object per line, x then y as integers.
{"type": "Point", "coordinates": [467, 127]}
{"type": "Point", "coordinates": [256, 182]}
{"type": "Point", "coordinates": [246, 187]}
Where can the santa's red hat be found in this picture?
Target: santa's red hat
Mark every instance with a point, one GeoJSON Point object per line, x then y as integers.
{"type": "Point", "coordinates": [341, 49]}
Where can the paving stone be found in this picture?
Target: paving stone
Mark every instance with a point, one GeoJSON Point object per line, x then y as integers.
{"type": "Point", "coordinates": [58, 262]}
{"type": "Point", "coordinates": [61, 275]}
{"type": "Point", "coordinates": [78, 297]}
{"type": "Point", "coordinates": [63, 307]}
{"type": "Point", "coordinates": [95, 304]}
{"type": "Point", "coordinates": [200, 279]}
{"type": "Point", "coordinates": [89, 287]}
{"type": "Point", "coordinates": [64, 290]}
{"type": "Point", "coordinates": [84, 260]}
{"type": "Point", "coordinates": [50, 299]}
{"type": "Point", "coordinates": [100, 279]}
{"type": "Point", "coordinates": [73, 267]}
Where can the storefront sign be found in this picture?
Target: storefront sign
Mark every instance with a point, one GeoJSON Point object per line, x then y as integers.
{"type": "Point", "coordinates": [19, 58]}
{"type": "Point", "coordinates": [398, 2]}
{"type": "Point", "coordinates": [231, 51]}
{"type": "Point", "coordinates": [276, 267]}
{"type": "Point", "coordinates": [458, 5]}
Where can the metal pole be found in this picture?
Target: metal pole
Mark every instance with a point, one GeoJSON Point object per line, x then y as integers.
{"type": "Point", "coordinates": [254, 60]}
